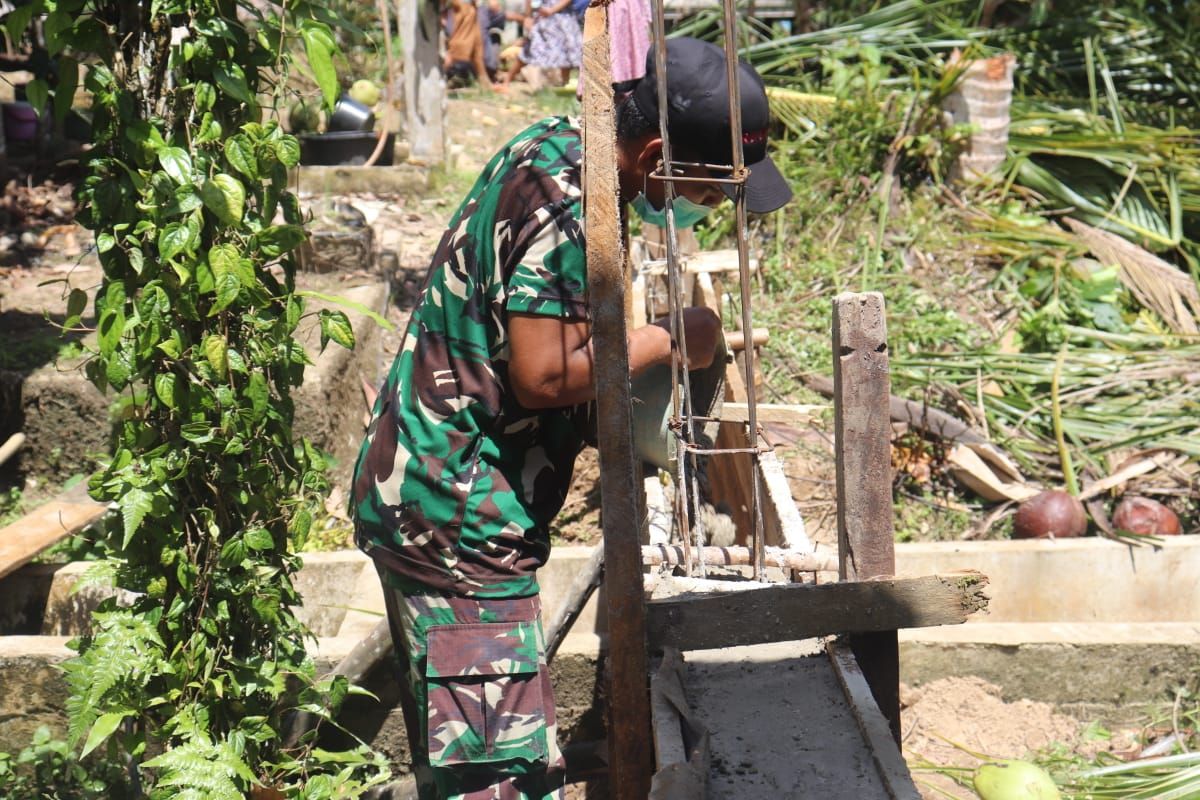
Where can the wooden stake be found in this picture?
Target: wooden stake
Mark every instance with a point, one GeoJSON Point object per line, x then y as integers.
{"type": "Point", "coordinates": [866, 545]}
{"type": "Point", "coordinates": [630, 756]}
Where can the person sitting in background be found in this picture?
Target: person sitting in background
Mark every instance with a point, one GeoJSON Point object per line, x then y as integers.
{"type": "Point", "coordinates": [464, 55]}
{"type": "Point", "coordinates": [553, 39]}
{"type": "Point", "coordinates": [492, 19]}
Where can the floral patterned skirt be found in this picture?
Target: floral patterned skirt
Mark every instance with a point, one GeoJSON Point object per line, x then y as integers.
{"type": "Point", "coordinates": [555, 42]}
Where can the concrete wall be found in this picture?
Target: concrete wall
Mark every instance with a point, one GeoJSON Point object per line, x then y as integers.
{"type": "Point", "coordinates": [1101, 629]}
{"type": "Point", "coordinates": [342, 603]}
{"type": "Point", "coordinates": [1073, 580]}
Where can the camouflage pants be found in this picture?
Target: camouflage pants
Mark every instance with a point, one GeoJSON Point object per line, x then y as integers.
{"type": "Point", "coordinates": [476, 696]}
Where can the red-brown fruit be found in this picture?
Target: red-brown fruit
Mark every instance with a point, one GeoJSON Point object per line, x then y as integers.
{"type": "Point", "coordinates": [1146, 516]}
{"type": "Point", "coordinates": [1050, 515]}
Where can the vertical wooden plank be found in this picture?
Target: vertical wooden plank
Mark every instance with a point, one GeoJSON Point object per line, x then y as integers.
{"type": "Point", "coordinates": [629, 727]}
{"type": "Point", "coordinates": [866, 545]}
{"type": "Point", "coordinates": [424, 86]}
{"type": "Point", "coordinates": [730, 474]}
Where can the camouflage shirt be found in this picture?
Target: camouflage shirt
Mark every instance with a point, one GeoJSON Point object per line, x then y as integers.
{"type": "Point", "coordinates": [456, 483]}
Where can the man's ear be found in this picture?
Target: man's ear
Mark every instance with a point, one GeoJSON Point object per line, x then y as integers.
{"type": "Point", "coordinates": [650, 155]}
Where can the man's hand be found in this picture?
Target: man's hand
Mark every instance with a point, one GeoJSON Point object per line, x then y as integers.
{"type": "Point", "coordinates": [701, 332]}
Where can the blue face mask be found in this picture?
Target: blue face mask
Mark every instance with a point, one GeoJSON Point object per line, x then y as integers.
{"type": "Point", "coordinates": [687, 213]}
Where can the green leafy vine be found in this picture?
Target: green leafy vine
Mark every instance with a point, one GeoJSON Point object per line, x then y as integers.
{"type": "Point", "coordinates": [192, 676]}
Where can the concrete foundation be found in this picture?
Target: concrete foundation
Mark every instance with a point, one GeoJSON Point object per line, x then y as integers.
{"type": "Point", "coordinates": [39, 612]}
{"type": "Point", "coordinates": [398, 179]}
{"type": "Point", "coordinates": [1072, 623]}
{"type": "Point", "coordinates": [1098, 628]}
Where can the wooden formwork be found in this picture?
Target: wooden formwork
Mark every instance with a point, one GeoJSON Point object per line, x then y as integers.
{"type": "Point", "coordinates": [760, 627]}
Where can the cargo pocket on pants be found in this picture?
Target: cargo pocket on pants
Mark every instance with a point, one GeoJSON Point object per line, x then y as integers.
{"type": "Point", "coordinates": [485, 696]}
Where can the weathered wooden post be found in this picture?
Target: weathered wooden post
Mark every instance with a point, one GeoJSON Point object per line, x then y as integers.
{"type": "Point", "coordinates": [629, 742]}
{"type": "Point", "coordinates": [866, 544]}
{"type": "Point", "coordinates": [424, 86]}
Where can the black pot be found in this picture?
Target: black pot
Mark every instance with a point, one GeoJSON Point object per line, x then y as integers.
{"type": "Point", "coordinates": [344, 148]}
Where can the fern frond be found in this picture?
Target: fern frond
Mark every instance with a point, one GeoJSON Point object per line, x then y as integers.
{"type": "Point", "coordinates": [100, 574]}
{"type": "Point", "coordinates": [213, 770]}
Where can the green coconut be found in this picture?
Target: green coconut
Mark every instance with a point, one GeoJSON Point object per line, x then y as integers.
{"type": "Point", "coordinates": [303, 118]}
{"type": "Point", "coordinates": [1014, 780]}
{"type": "Point", "coordinates": [365, 92]}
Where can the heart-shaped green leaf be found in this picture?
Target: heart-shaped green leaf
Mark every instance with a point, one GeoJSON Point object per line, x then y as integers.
{"type": "Point", "coordinates": [164, 388]}
{"type": "Point", "coordinates": [259, 539]}
{"type": "Point", "coordinates": [215, 348]}
{"type": "Point", "coordinates": [279, 239]}
{"type": "Point", "coordinates": [177, 163]}
{"type": "Point", "coordinates": [227, 287]}
{"type": "Point", "coordinates": [319, 46]}
{"type": "Point", "coordinates": [223, 259]}
{"type": "Point", "coordinates": [240, 153]}
{"type": "Point", "coordinates": [204, 95]}
{"type": "Point", "coordinates": [336, 326]}
{"type": "Point", "coordinates": [231, 79]}
{"type": "Point", "coordinates": [225, 197]}
{"type": "Point", "coordinates": [172, 240]}
{"type": "Point", "coordinates": [287, 150]}
{"type": "Point", "coordinates": [209, 129]}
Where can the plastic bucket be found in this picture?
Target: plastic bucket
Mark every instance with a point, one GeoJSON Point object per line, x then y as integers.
{"type": "Point", "coordinates": [653, 441]}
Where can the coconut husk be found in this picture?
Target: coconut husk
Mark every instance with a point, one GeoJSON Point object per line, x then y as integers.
{"type": "Point", "coordinates": [1157, 284]}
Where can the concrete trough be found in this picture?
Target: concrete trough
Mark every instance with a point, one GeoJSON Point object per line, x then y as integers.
{"type": "Point", "coordinates": [1091, 625]}
{"type": "Point", "coordinates": [1098, 628]}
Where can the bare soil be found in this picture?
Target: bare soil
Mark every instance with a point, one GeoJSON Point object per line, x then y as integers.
{"type": "Point", "coordinates": [953, 722]}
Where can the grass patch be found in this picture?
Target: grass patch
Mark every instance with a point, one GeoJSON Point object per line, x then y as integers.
{"type": "Point", "coordinates": [929, 517]}
{"type": "Point", "coordinates": [819, 246]}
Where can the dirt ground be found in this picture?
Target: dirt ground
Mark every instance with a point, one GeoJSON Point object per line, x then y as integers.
{"type": "Point", "coordinates": [956, 721]}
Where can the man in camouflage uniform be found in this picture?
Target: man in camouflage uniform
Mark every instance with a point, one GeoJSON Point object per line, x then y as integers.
{"type": "Point", "coordinates": [474, 436]}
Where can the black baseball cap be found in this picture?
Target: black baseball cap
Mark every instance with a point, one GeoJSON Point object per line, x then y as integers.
{"type": "Point", "coordinates": [698, 115]}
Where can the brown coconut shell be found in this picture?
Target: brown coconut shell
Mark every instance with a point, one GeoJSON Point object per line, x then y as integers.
{"type": "Point", "coordinates": [1145, 516]}
{"type": "Point", "coordinates": [1050, 515]}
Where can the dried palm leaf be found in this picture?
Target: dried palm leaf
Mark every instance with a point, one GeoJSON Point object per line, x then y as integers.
{"type": "Point", "coordinates": [800, 112]}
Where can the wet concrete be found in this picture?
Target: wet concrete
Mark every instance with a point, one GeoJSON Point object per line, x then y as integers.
{"type": "Point", "coordinates": [779, 724]}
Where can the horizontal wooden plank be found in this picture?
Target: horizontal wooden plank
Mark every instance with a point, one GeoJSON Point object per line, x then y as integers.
{"type": "Point", "coordinates": [801, 611]}
{"type": "Point", "coordinates": [21, 541]}
{"type": "Point", "coordinates": [788, 414]}
{"type": "Point", "coordinates": [708, 261]}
